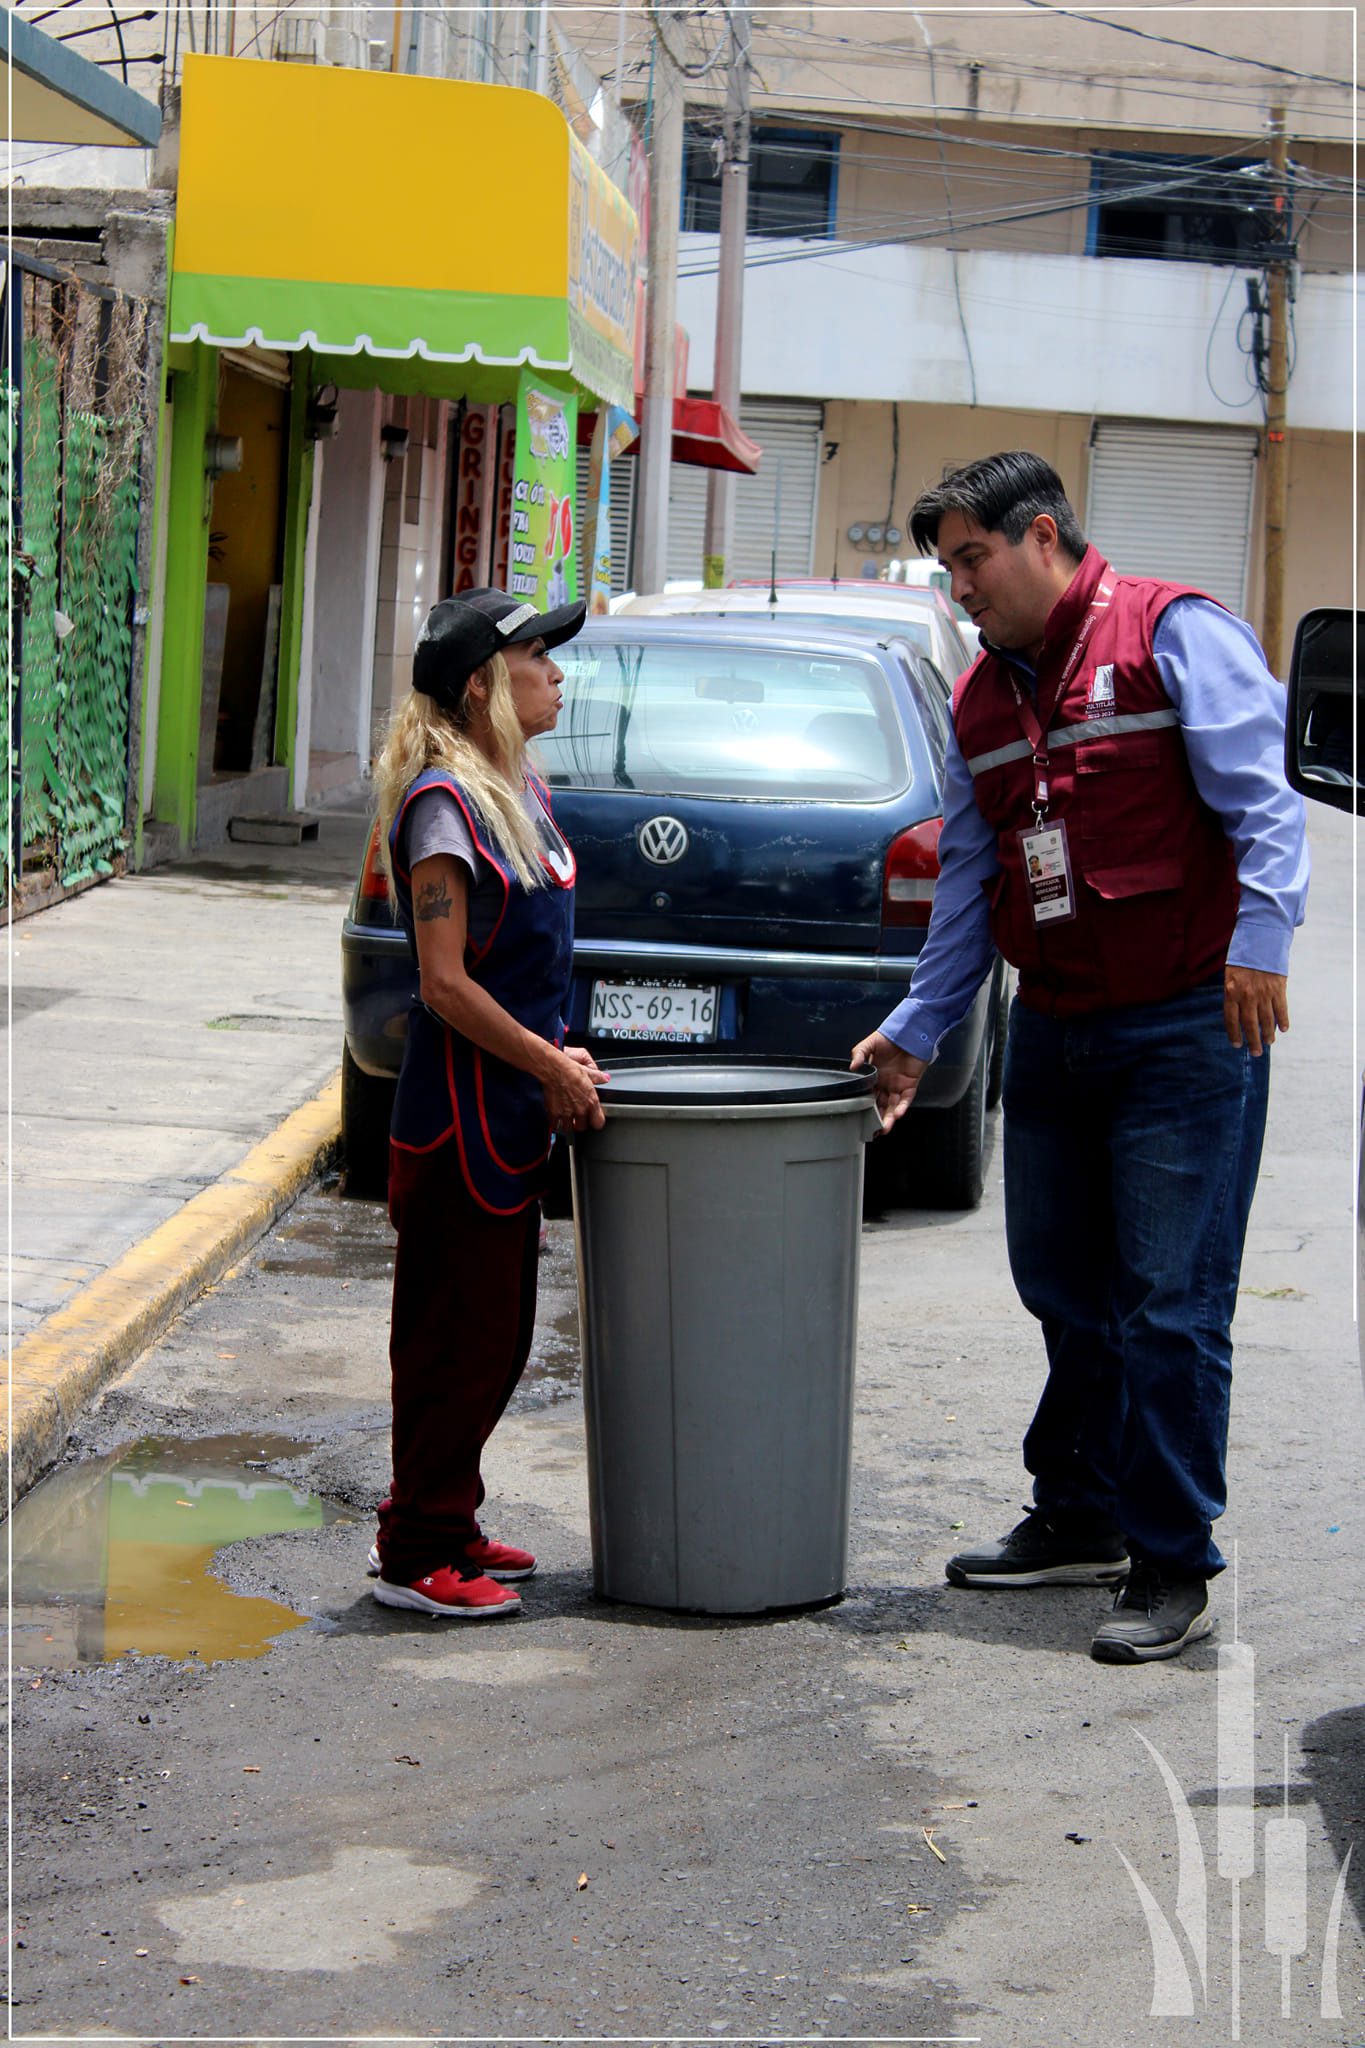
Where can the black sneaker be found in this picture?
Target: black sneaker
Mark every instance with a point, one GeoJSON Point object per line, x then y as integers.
{"type": "Point", "coordinates": [1155, 1615]}
{"type": "Point", "coordinates": [1038, 1553]}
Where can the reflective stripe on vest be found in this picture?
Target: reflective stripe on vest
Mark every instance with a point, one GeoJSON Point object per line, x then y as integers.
{"type": "Point", "coordinates": [1072, 735]}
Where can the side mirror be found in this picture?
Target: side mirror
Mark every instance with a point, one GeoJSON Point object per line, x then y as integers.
{"type": "Point", "coordinates": [1326, 709]}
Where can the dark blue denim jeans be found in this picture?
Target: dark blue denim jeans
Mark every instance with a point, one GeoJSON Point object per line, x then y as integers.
{"type": "Point", "coordinates": [1132, 1143]}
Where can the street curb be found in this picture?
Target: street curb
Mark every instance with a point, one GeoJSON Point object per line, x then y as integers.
{"type": "Point", "coordinates": [59, 1367]}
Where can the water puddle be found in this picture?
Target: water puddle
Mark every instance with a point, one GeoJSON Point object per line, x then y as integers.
{"type": "Point", "coordinates": [332, 1239]}
{"type": "Point", "coordinates": [112, 1557]}
{"type": "Point", "coordinates": [553, 1370]}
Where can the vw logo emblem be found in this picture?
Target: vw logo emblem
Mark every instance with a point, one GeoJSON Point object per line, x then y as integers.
{"type": "Point", "coordinates": [662, 840]}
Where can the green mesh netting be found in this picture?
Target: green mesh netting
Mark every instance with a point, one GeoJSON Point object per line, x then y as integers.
{"type": "Point", "coordinates": [13, 599]}
{"type": "Point", "coordinates": [41, 682]}
{"type": "Point", "coordinates": [99, 578]}
{"type": "Point", "coordinates": [79, 521]}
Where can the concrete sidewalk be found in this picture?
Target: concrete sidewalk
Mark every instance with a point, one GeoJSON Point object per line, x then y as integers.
{"type": "Point", "coordinates": [164, 1027]}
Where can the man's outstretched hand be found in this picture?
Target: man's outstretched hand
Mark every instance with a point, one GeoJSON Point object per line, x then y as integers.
{"type": "Point", "coordinates": [898, 1075]}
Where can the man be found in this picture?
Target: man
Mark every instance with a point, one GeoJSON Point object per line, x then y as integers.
{"type": "Point", "coordinates": [1117, 823]}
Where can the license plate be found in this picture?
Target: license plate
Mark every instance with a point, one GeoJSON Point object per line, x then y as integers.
{"type": "Point", "coordinates": [671, 1011]}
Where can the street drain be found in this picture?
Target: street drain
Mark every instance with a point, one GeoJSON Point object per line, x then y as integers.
{"type": "Point", "coordinates": [112, 1557]}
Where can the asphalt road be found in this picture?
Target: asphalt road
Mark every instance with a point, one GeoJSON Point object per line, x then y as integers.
{"type": "Point", "coordinates": [906, 1816]}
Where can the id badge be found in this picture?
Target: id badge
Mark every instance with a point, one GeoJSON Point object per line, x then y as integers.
{"type": "Point", "coordinates": [1047, 872]}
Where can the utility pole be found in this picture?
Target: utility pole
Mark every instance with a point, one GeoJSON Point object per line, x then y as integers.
{"type": "Point", "coordinates": [656, 422]}
{"type": "Point", "coordinates": [1278, 261]}
{"type": "Point", "coordinates": [734, 221]}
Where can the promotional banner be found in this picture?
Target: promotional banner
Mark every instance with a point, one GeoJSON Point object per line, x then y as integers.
{"type": "Point", "coordinates": [603, 249]}
{"type": "Point", "coordinates": [614, 432]}
{"type": "Point", "coordinates": [542, 560]}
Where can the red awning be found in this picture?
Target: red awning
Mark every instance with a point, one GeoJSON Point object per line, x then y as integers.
{"type": "Point", "coordinates": [704, 435]}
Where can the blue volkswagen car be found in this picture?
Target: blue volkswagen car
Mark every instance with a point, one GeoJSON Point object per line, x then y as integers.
{"type": "Point", "coordinates": [755, 807]}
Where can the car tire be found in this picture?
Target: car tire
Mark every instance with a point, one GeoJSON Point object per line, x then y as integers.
{"type": "Point", "coordinates": [1000, 1025]}
{"type": "Point", "coordinates": [946, 1167]}
{"type": "Point", "coordinates": [366, 1112]}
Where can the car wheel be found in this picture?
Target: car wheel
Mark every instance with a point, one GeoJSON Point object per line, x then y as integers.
{"type": "Point", "coordinates": [947, 1162]}
{"type": "Point", "coordinates": [366, 1111]}
{"type": "Point", "coordinates": [995, 1075]}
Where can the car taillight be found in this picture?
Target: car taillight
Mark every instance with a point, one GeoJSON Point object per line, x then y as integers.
{"type": "Point", "coordinates": [374, 883]}
{"type": "Point", "coordinates": [911, 871]}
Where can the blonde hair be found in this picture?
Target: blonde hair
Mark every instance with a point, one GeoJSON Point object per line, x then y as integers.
{"type": "Point", "coordinates": [423, 734]}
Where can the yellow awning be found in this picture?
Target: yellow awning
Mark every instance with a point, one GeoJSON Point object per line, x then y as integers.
{"type": "Point", "coordinates": [398, 221]}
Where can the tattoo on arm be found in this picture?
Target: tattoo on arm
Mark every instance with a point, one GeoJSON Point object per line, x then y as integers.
{"type": "Point", "coordinates": [433, 900]}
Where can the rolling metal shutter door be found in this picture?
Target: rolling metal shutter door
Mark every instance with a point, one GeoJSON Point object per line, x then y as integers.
{"type": "Point", "coordinates": [1174, 502]}
{"type": "Point", "coordinates": [789, 435]}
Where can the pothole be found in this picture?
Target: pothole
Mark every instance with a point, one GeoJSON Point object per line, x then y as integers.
{"type": "Point", "coordinates": [112, 1557]}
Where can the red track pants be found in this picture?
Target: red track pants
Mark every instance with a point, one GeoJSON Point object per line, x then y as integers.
{"type": "Point", "coordinates": [464, 1306]}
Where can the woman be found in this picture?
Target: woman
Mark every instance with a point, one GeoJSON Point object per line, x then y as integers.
{"type": "Point", "coordinates": [483, 883]}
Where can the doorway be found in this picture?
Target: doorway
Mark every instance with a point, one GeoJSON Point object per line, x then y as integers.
{"type": "Point", "coordinates": [242, 614]}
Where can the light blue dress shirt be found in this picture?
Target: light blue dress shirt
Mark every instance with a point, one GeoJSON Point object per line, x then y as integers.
{"type": "Point", "coordinates": [1232, 719]}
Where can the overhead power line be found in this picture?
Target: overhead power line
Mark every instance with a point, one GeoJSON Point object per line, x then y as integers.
{"type": "Point", "coordinates": [867, 53]}
{"type": "Point", "coordinates": [814, 251]}
{"type": "Point", "coordinates": [1146, 35]}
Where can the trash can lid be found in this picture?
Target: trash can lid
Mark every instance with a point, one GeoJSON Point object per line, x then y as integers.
{"type": "Point", "coordinates": [731, 1083]}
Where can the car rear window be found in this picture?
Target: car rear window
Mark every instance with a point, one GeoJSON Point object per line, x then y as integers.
{"type": "Point", "coordinates": [887, 625]}
{"type": "Point", "coordinates": [716, 720]}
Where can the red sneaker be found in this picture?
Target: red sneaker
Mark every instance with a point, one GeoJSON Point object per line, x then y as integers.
{"type": "Point", "coordinates": [473, 1597]}
{"type": "Point", "coordinates": [495, 1560]}
{"type": "Point", "coordinates": [499, 1560]}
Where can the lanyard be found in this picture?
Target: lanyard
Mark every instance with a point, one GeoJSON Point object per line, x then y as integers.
{"type": "Point", "coordinates": [1034, 727]}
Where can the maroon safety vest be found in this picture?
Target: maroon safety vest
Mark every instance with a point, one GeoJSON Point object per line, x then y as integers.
{"type": "Point", "coordinates": [1153, 872]}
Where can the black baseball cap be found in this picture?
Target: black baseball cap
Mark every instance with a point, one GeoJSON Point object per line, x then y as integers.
{"type": "Point", "coordinates": [461, 633]}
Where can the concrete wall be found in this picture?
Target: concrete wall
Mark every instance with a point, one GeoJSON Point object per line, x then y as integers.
{"type": "Point", "coordinates": [350, 505]}
{"type": "Point", "coordinates": [1318, 567]}
{"type": "Point", "coordinates": [1136, 340]}
{"type": "Point", "coordinates": [1031, 68]}
{"type": "Point", "coordinates": [855, 484]}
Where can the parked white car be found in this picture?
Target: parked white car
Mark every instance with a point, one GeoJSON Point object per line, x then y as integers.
{"type": "Point", "coordinates": [921, 572]}
{"type": "Point", "coordinates": [922, 616]}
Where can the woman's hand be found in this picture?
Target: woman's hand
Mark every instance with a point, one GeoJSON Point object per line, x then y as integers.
{"type": "Point", "coordinates": [583, 1058]}
{"type": "Point", "coordinates": [570, 1093]}
{"type": "Point", "coordinates": [440, 886]}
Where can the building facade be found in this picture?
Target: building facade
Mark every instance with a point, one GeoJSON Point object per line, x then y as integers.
{"type": "Point", "coordinates": [994, 229]}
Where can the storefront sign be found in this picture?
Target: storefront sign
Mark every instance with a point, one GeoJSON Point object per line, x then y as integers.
{"type": "Point", "coordinates": [502, 542]}
{"type": "Point", "coordinates": [602, 263]}
{"type": "Point", "coordinates": [542, 558]}
{"type": "Point", "coordinates": [474, 496]}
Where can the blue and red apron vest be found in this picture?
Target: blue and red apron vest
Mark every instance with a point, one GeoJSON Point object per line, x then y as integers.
{"type": "Point", "coordinates": [1154, 875]}
{"type": "Point", "coordinates": [448, 1089]}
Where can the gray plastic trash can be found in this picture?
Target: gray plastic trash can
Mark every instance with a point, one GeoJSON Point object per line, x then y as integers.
{"type": "Point", "coordinates": [718, 1217]}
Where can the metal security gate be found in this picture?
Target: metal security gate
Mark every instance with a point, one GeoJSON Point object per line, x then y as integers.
{"type": "Point", "coordinates": [72, 410]}
{"type": "Point", "coordinates": [1174, 502]}
{"type": "Point", "coordinates": [621, 484]}
{"type": "Point", "coordinates": [781, 501]}
{"type": "Point", "coordinates": [789, 435]}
